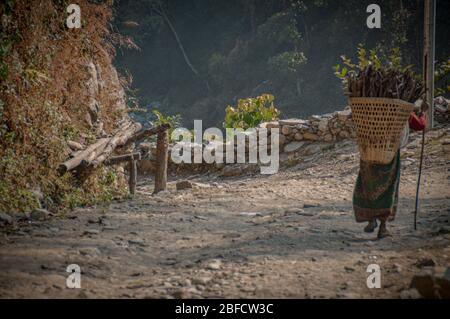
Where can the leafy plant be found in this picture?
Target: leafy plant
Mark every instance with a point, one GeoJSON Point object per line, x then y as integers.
{"type": "Point", "coordinates": [251, 112]}
{"type": "Point", "coordinates": [173, 120]}
{"type": "Point", "coordinates": [442, 78]}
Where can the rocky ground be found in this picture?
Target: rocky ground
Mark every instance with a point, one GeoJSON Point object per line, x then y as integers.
{"type": "Point", "coordinates": [289, 235]}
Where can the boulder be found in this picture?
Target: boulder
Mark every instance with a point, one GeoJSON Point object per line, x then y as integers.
{"type": "Point", "coordinates": [214, 265]}
{"type": "Point", "coordinates": [315, 118]}
{"type": "Point", "coordinates": [286, 130]}
{"type": "Point", "coordinates": [344, 134]}
{"type": "Point", "coordinates": [182, 294]}
{"type": "Point", "coordinates": [302, 127]}
{"type": "Point", "coordinates": [39, 214]}
{"type": "Point", "coordinates": [292, 122]}
{"type": "Point", "coordinates": [293, 146]}
{"type": "Point", "coordinates": [323, 125]}
{"type": "Point", "coordinates": [201, 280]}
{"type": "Point", "coordinates": [232, 170]}
{"type": "Point", "coordinates": [433, 283]}
{"type": "Point", "coordinates": [269, 125]}
{"type": "Point", "coordinates": [310, 136]}
{"type": "Point", "coordinates": [311, 149]}
{"type": "Point", "coordinates": [282, 139]}
{"type": "Point", "coordinates": [328, 138]}
{"type": "Point", "coordinates": [344, 115]}
{"type": "Point", "coordinates": [183, 185]}
{"type": "Point", "coordinates": [5, 218]}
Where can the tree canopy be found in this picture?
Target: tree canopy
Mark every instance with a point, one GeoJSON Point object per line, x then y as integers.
{"type": "Point", "coordinates": [198, 56]}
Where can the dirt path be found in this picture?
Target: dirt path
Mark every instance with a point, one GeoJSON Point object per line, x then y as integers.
{"type": "Point", "coordinates": [287, 235]}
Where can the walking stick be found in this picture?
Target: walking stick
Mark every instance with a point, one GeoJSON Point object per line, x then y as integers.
{"type": "Point", "coordinates": [418, 180]}
{"type": "Point", "coordinates": [425, 81]}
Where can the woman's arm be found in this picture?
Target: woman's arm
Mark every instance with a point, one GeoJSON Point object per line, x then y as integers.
{"type": "Point", "coordinates": [419, 122]}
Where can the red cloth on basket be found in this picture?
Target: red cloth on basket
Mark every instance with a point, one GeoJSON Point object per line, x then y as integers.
{"type": "Point", "coordinates": [417, 123]}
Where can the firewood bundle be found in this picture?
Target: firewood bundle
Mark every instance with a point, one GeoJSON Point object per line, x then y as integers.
{"type": "Point", "coordinates": [386, 82]}
{"type": "Point", "coordinates": [103, 148]}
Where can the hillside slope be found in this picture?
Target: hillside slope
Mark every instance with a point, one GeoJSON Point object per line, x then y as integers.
{"type": "Point", "coordinates": [57, 85]}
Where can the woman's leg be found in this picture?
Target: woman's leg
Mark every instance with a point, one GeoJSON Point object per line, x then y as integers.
{"type": "Point", "coordinates": [371, 226]}
{"type": "Point", "coordinates": [382, 231]}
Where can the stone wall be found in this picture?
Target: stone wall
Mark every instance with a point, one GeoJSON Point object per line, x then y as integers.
{"type": "Point", "coordinates": [326, 128]}
{"type": "Point", "coordinates": [298, 138]}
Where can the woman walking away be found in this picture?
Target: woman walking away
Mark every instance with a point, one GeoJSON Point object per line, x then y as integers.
{"type": "Point", "coordinates": [376, 191]}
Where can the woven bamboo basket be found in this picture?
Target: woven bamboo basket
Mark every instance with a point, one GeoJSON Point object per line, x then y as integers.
{"type": "Point", "coordinates": [379, 124]}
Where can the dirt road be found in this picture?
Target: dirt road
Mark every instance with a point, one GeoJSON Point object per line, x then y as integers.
{"type": "Point", "coordinates": [290, 235]}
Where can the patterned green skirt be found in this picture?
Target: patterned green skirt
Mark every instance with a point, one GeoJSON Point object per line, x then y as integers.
{"type": "Point", "coordinates": [376, 191]}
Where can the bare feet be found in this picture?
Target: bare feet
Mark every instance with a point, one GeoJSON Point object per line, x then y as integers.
{"type": "Point", "coordinates": [371, 226]}
{"type": "Point", "coordinates": [382, 231]}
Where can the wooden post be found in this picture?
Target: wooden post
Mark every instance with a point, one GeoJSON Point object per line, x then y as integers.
{"type": "Point", "coordinates": [162, 155]}
{"type": "Point", "coordinates": [428, 56]}
{"type": "Point", "coordinates": [133, 176]}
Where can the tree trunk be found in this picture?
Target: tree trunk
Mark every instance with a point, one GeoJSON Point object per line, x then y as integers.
{"type": "Point", "coordinates": [83, 155]}
{"type": "Point", "coordinates": [98, 152]}
{"type": "Point", "coordinates": [177, 38]}
{"type": "Point", "coordinates": [120, 139]}
{"type": "Point", "coordinates": [162, 155]}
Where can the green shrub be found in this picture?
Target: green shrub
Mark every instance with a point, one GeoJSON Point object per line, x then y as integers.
{"type": "Point", "coordinates": [251, 112]}
{"type": "Point", "coordinates": [14, 199]}
{"type": "Point", "coordinates": [442, 78]}
{"type": "Point", "coordinates": [288, 63]}
{"type": "Point", "coordinates": [173, 120]}
{"type": "Point", "coordinates": [102, 185]}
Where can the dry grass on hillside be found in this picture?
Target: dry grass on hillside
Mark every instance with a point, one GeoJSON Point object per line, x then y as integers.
{"type": "Point", "coordinates": [45, 92]}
